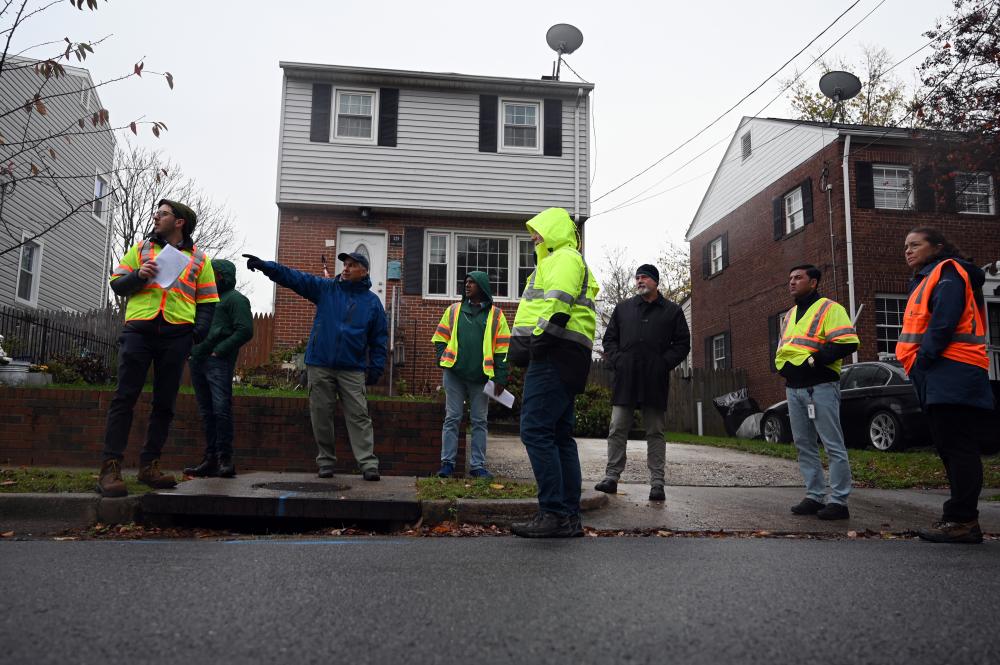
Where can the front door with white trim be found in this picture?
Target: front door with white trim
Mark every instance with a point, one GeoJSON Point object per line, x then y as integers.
{"type": "Point", "coordinates": [371, 244]}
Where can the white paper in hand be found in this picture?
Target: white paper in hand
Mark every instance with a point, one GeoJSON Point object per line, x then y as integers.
{"type": "Point", "coordinates": [505, 398]}
{"type": "Point", "coordinates": [170, 262]}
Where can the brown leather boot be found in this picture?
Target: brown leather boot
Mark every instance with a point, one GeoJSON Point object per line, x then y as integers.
{"type": "Point", "coordinates": [152, 476]}
{"type": "Point", "coordinates": [109, 482]}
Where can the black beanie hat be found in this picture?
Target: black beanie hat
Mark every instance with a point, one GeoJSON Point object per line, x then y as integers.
{"type": "Point", "coordinates": [648, 271]}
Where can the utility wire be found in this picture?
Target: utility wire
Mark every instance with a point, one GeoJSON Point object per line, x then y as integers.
{"type": "Point", "coordinates": [743, 99]}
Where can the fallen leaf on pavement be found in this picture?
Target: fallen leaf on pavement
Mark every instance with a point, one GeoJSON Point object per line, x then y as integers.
{"type": "Point", "coordinates": [8, 483]}
{"type": "Point", "coordinates": [7, 534]}
{"type": "Point", "coordinates": [496, 486]}
{"type": "Point", "coordinates": [64, 538]}
{"type": "Point", "coordinates": [852, 534]}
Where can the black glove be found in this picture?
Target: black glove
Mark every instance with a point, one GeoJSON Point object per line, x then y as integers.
{"type": "Point", "coordinates": [253, 263]}
{"type": "Point", "coordinates": [371, 378]}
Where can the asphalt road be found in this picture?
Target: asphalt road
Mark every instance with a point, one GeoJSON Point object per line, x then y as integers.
{"type": "Point", "coordinates": [499, 600]}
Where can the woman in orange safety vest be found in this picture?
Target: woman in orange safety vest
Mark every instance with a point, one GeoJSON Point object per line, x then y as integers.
{"type": "Point", "coordinates": [943, 347]}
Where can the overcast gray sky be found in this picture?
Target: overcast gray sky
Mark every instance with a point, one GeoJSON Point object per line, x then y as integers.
{"type": "Point", "coordinates": [662, 70]}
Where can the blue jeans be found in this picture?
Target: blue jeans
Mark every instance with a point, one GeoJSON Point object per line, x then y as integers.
{"type": "Point", "coordinates": [457, 391]}
{"type": "Point", "coordinates": [826, 426]}
{"type": "Point", "coordinates": [547, 421]}
{"type": "Point", "coordinates": [212, 379]}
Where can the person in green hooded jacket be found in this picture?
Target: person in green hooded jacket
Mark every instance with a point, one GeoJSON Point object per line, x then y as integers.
{"type": "Point", "coordinates": [472, 339]}
{"type": "Point", "coordinates": [212, 364]}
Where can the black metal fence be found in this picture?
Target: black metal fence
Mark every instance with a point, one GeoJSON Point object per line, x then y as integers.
{"type": "Point", "coordinates": [40, 337]}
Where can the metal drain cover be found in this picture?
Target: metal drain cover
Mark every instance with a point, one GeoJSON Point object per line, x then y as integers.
{"type": "Point", "coordinates": [317, 488]}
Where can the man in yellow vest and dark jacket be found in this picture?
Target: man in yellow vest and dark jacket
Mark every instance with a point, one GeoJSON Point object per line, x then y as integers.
{"type": "Point", "coordinates": [554, 336]}
{"type": "Point", "coordinates": [161, 324]}
{"type": "Point", "coordinates": [816, 335]}
{"type": "Point", "coordinates": [471, 340]}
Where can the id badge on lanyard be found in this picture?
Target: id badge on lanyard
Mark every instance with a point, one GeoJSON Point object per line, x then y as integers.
{"type": "Point", "coordinates": [811, 406]}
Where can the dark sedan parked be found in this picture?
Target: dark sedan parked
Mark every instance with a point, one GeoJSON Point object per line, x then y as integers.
{"type": "Point", "coordinates": [878, 407]}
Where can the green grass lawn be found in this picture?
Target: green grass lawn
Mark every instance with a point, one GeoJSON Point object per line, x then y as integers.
{"type": "Point", "coordinates": [468, 488]}
{"type": "Point", "coordinates": [37, 479]}
{"type": "Point", "coordinates": [870, 468]}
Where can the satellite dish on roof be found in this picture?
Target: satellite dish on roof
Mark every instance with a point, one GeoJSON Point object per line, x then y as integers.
{"type": "Point", "coordinates": [564, 38]}
{"type": "Point", "coordinates": [840, 86]}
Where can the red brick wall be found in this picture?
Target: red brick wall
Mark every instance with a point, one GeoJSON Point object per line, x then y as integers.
{"type": "Point", "coordinates": [300, 242]}
{"type": "Point", "coordinates": [753, 287]}
{"type": "Point", "coordinates": [66, 428]}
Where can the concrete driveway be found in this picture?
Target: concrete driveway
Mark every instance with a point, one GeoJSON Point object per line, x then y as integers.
{"type": "Point", "coordinates": [687, 465]}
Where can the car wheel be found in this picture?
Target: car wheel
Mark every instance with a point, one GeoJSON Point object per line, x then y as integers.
{"type": "Point", "coordinates": [774, 430]}
{"type": "Point", "coordinates": [884, 432]}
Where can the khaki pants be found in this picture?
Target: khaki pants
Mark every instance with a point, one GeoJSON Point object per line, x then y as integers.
{"type": "Point", "coordinates": [325, 386]}
{"type": "Point", "coordinates": [654, 420]}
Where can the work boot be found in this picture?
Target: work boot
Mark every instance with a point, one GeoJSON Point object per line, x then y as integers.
{"type": "Point", "coordinates": [152, 476]}
{"type": "Point", "coordinates": [371, 474]}
{"type": "Point", "coordinates": [544, 525]}
{"type": "Point", "coordinates": [834, 511]}
{"type": "Point", "coordinates": [209, 468]}
{"type": "Point", "coordinates": [226, 467]}
{"type": "Point", "coordinates": [480, 474]}
{"type": "Point", "coordinates": [608, 486]}
{"type": "Point", "coordinates": [446, 470]}
{"type": "Point", "coordinates": [109, 481]}
{"type": "Point", "coordinates": [952, 532]}
{"type": "Point", "coordinates": [808, 506]}
{"type": "Point", "coordinates": [325, 472]}
{"type": "Point", "coordinates": [656, 493]}
{"type": "Point", "coordinates": [576, 525]}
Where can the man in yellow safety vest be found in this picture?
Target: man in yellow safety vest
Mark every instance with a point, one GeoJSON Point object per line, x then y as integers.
{"type": "Point", "coordinates": [816, 335]}
{"type": "Point", "coordinates": [162, 321]}
{"type": "Point", "coordinates": [471, 341]}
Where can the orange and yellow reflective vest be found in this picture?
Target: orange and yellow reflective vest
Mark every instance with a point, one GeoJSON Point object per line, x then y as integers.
{"type": "Point", "coordinates": [194, 286]}
{"type": "Point", "coordinates": [968, 343]}
{"type": "Point", "coordinates": [496, 341]}
{"type": "Point", "coordinates": [824, 321]}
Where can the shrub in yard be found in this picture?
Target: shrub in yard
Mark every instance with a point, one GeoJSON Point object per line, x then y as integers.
{"type": "Point", "coordinates": [593, 412]}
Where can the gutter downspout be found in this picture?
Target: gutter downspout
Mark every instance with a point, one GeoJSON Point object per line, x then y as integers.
{"type": "Point", "coordinates": [847, 233]}
{"type": "Point", "coordinates": [576, 157]}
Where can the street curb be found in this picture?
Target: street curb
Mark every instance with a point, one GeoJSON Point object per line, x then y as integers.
{"type": "Point", "coordinates": [73, 509]}
{"type": "Point", "coordinates": [501, 512]}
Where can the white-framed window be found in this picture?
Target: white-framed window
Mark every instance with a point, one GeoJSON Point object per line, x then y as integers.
{"type": "Point", "coordinates": [889, 310]}
{"type": "Point", "coordinates": [521, 123]}
{"type": "Point", "coordinates": [355, 114]}
{"type": "Point", "coordinates": [974, 193]}
{"type": "Point", "coordinates": [100, 198]}
{"type": "Point", "coordinates": [715, 256]}
{"type": "Point", "coordinates": [450, 255]}
{"type": "Point", "coordinates": [29, 272]}
{"type": "Point", "coordinates": [893, 186]}
{"type": "Point", "coordinates": [719, 352]}
{"type": "Point", "coordinates": [746, 146]}
{"type": "Point", "coordinates": [86, 91]}
{"type": "Point", "coordinates": [794, 217]}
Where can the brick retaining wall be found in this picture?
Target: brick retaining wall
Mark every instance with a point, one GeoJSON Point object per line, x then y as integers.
{"type": "Point", "coordinates": [50, 427]}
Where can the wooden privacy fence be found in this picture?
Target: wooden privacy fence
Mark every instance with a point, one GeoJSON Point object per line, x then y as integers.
{"type": "Point", "coordinates": [257, 351]}
{"type": "Point", "coordinates": [687, 388]}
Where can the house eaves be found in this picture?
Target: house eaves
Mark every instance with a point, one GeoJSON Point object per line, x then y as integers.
{"type": "Point", "coordinates": [436, 80]}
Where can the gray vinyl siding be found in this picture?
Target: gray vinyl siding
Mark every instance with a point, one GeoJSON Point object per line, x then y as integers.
{"type": "Point", "coordinates": [436, 164]}
{"type": "Point", "coordinates": [73, 259]}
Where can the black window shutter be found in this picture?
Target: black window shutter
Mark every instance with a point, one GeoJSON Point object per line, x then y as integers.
{"type": "Point", "coordinates": [553, 128]}
{"type": "Point", "coordinates": [725, 250]}
{"type": "Point", "coordinates": [807, 201]}
{"type": "Point", "coordinates": [772, 338]}
{"type": "Point", "coordinates": [319, 122]}
{"type": "Point", "coordinates": [708, 352]}
{"type": "Point", "coordinates": [923, 192]}
{"type": "Point", "coordinates": [413, 261]}
{"type": "Point", "coordinates": [706, 260]}
{"type": "Point", "coordinates": [488, 123]}
{"type": "Point", "coordinates": [779, 217]}
{"type": "Point", "coordinates": [729, 351]}
{"type": "Point", "coordinates": [864, 183]}
{"type": "Point", "coordinates": [950, 195]}
{"type": "Point", "coordinates": [388, 116]}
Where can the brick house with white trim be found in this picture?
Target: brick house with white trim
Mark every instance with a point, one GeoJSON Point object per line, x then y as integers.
{"type": "Point", "coordinates": [841, 197]}
{"type": "Point", "coordinates": [432, 175]}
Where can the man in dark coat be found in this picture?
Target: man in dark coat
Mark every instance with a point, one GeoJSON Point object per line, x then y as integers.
{"type": "Point", "coordinates": [646, 338]}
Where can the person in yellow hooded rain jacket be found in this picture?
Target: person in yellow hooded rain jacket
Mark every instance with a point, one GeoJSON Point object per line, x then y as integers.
{"type": "Point", "coordinates": [553, 336]}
